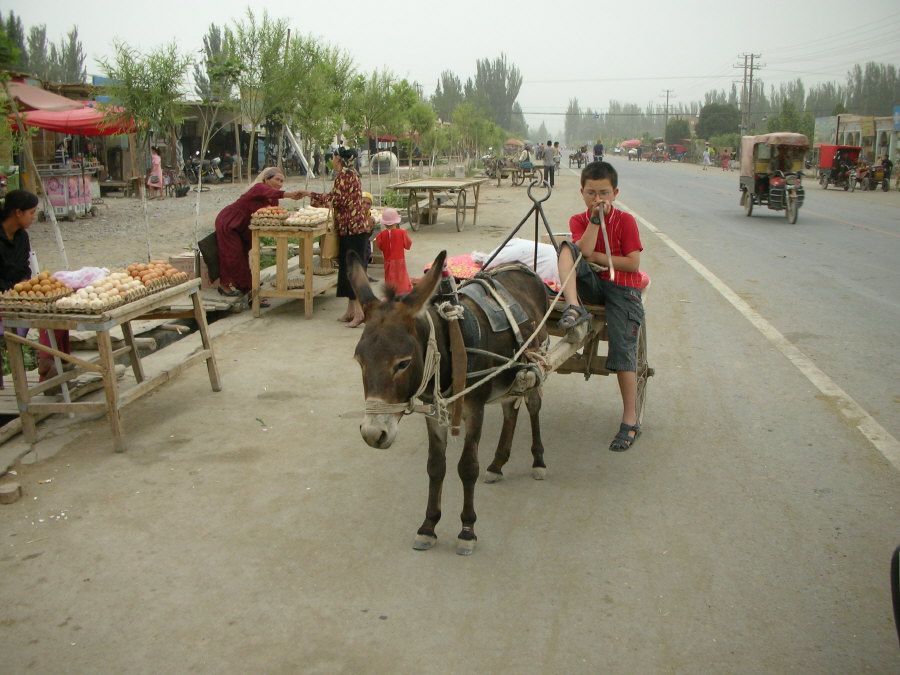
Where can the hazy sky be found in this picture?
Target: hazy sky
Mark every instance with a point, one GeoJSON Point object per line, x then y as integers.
{"type": "Point", "coordinates": [595, 51]}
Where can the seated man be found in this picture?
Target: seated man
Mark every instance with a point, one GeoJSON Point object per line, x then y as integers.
{"type": "Point", "coordinates": [781, 161]}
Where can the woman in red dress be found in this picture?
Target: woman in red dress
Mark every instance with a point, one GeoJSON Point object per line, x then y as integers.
{"type": "Point", "coordinates": [350, 223]}
{"type": "Point", "coordinates": [394, 242]}
{"type": "Point", "coordinates": [233, 229]}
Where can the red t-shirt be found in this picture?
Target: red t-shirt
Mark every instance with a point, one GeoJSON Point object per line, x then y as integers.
{"type": "Point", "coordinates": [624, 238]}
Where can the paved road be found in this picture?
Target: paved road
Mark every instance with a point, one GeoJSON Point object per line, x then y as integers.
{"type": "Point", "coordinates": [251, 530]}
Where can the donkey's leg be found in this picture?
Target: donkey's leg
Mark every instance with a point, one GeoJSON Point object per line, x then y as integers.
{"type": "Point", "coordinates": [510, 414]}
{"type": "Point", "coordinates": [437, 469]}
{"type": "Point", "coordinates": [533, 400]}
{"type": "Point", "coordinates": [468, 474]}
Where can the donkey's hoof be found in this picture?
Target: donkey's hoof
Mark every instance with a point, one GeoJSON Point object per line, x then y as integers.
{"type": "Point", "coordinates": [465, 546]}
{"type": "Point", "coordinates": [423, 542]}
{"type": "Point", "coordinates": [539, 472]}
{"type": "Point", "coordinates": [491, 477]}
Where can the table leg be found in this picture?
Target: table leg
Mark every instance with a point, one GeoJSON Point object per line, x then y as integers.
{"type": "Point", "coordinates": [136, 366]}
{"type": "Point", "coordinates": [254, 273]}
{"type": "Point", "coordinates": [110, 389]}
{"type": "Point", "coordinates": [200, 318]}
{"type": "Point", "coordinates": [477, 189]}
{"type": "Point", "coordinates": [23, 396]}
{"type": "Point", "coordinates": [281, 263]}
{"type": "Point", "coordinates": [308, 274]}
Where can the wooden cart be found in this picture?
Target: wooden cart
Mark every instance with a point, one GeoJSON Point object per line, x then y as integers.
{"type": "Point", "coordinates": [440, 193]}
{"type": "Point", "coordinates": [154, 306]}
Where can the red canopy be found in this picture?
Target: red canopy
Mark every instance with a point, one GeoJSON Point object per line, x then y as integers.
{"type": "Point", "coordinates": [633, 143]}
{"type": "Point", "coordinates": [84, 121]}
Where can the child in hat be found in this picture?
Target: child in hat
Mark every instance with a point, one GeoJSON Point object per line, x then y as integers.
{"type": "Point", "coordinates": [394, 242]}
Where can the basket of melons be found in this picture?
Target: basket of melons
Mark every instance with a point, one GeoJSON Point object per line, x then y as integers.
{"type": "Point", "coordinates": [268, 216]}
{"type": "Point", "coordinates": [156, 274]}
{"type": "Point", "coordinates": [35, 295]}
{"type": "Point", "coordinates": [104, 294]}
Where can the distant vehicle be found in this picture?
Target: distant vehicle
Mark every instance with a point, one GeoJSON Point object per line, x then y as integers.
{"type": "Point", "coordinates": [772, 172]}
{"type": "Point", "coordinates": [835, 164]}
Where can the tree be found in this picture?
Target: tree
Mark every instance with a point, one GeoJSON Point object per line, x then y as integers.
{"type": "Point", "coordinates": [9, 50]}
{"type": "Point", "coordinates": [67, 59]}
{"type": "Point", "coordinates": [475, 129]}
{"type": "Point", "coordinates": [677, 130]}
{"type": "Point", "coordinates": [873, 89]}
{"type": "Point", "coordinates": [447, 95]}
{"type": "Point", "coordinates": [13, 54]}
{"type": "Point", "coordinates": [716, 119]}
{"type": "Point", "coordinates": [147, 87]}
{"type": "Point", "coordinates": [39, 52]}
{"type": "Point", "coordinates": [495, 88]}
{"type": "Point", "coordinates": [263, 83]}
{"type": "Point", "coordinates": [378, 104]}
{"type": "Point", "coordinates": [790, 119]}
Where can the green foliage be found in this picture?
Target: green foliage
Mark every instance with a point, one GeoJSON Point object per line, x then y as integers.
{"type": "Point", "coordinates": [677, 130]}
{"type": "Point", "coordinates": [29, 354]}
{"type": "Point", "coordinates": [790, 119]}
{"type": "Point", "coordinates": [394, 199]}
{"type": "Point", "coordinates": [718, 118]}
{"type": "Point", "coordinates": [147, 86]}
{"type": "Point", "coordinates": [12, 44]}
{"type": "Point", "coordinates": [729, 141]}
{"type": "Point", "coordinates": [475, 129]}
{"type": "Point", "coordinates": [379, 104]}
{"type": "Point", "coordinates": [447, 95]}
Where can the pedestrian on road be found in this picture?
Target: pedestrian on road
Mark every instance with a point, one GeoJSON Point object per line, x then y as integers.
{"type": "Point", "coordinates": [706, 158]}
{"type": "Point", "coordinates": [549, 163]}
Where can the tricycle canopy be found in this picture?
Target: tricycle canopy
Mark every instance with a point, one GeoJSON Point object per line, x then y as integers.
{"type": "Point", "coordinates": [828, 153]}
{"type": "Point", "coordinates": [756, 151]}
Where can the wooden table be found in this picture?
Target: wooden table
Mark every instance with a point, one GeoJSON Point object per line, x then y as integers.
{"type": "Point", "coordinates": [153, 306]}
{"type": "Point", "coordinates": [441, 193]}
{"type": "Point", "coordinates": [312, 285]}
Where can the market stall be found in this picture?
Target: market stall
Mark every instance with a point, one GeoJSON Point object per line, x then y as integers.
{"type": "Point", "coordinates": [308, 225]}
{"type": "Point", "coordinates": [138, 294]}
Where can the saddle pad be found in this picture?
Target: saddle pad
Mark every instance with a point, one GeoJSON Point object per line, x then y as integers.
{"type": "Point", "coordinates": [494, 312]}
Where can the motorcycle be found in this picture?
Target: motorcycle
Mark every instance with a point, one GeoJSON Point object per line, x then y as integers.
{"type": "Point", "coordinates": [207, 168]}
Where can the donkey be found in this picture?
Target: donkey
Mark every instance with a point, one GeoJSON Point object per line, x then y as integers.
{"type": "Point", "coordinates": [392, 354]}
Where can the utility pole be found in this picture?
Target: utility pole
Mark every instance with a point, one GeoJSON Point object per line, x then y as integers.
{"type": "Point", "coordinates": [749, 66]}
{"type": "Point", "coordinates": [667, 92]}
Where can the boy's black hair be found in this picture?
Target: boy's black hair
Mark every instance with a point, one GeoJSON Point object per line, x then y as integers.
{"type": "Point", "coordinates": [600, 171]}
{"type": "Point", "coordinates": [18, 200]}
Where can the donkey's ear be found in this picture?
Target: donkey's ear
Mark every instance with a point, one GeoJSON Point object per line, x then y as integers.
{"type": "Point", "coordinates": [359, 280]}
{"type": "Point", "coordinates": [427, 285]}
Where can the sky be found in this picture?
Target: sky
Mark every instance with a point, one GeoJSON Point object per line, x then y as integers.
{"type": "Point", "coordinates": [631, 52]}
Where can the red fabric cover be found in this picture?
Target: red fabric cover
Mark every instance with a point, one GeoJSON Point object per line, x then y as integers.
{"type": "Point", "coordinates": [84, 121]}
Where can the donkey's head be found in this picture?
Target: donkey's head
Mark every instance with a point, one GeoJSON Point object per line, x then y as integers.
{"type": "Point", "coordinates": [391, 350]}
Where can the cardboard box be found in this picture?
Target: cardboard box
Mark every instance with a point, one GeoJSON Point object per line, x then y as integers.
{"type": "Point", "coordinates": [192, 264]}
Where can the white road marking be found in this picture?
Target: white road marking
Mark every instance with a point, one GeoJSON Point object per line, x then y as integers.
{"type": "Point", "coordinates": [876, 434]}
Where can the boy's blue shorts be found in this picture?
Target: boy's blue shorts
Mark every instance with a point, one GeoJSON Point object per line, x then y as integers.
{"type": "Point", "coordinates": [624, 312]}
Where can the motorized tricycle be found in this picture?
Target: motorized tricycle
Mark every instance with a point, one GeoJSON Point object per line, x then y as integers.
{"type": "Point", "coordinates": [835, 164]}
{"type": "Point", "coordinates": [772, 172]}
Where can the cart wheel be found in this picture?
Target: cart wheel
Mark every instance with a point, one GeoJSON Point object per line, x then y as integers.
{"type": "Point", "coordinates": [460, 210]}
{"type": "Point", "coordinates": [748, 203]}
{"type": "Point", "coordinates": [412, 211]}
{"type": "Point", "coordinates": [790, 209]}
{"type": "Point", "coordinates": [644, 372]}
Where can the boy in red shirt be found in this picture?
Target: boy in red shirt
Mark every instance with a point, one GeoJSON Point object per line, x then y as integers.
{"type": "Point", "coordinates": [394, 242]}
{"type": "Point", "coordinates": [621, 296]}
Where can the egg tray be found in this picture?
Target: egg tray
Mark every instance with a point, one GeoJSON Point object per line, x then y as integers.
{"type": "Point", "coordinates": [7, 298]}
{"type": "Point", "coordinates": [268, 221]}
{"type": "Point", "coordinates": [130, 296]}
{"type": "Point", "coordinates": [165, 282]}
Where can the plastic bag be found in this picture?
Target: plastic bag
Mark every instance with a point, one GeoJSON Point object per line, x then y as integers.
{"type": "Point", "coordinates": [81, 278]}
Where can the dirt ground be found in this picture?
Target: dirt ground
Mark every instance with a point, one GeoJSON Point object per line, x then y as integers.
{"type": "Point", "coordinates": [251, 530]}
